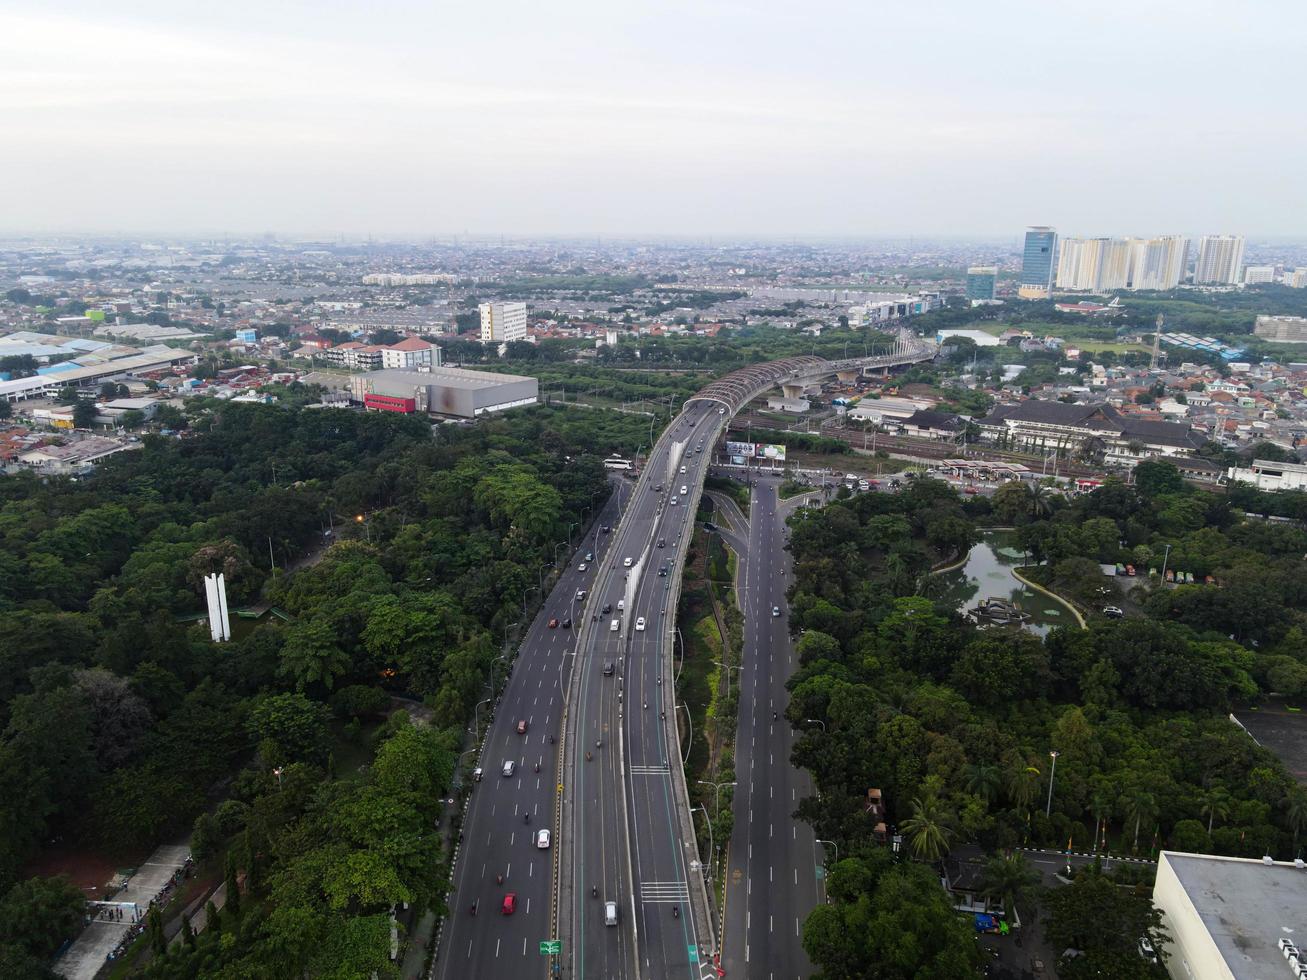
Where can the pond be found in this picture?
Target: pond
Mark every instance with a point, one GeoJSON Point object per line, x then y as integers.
{"type": "Point", "coordinates": [988, 574]}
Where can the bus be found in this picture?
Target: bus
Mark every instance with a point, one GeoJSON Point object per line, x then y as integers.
{"type": "Point", "coordinates": [617, 463]}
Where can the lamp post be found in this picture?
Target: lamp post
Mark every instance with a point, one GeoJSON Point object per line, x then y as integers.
{"type": "Point", "coordinates": [277, 772]}
{"type": "Point", "coordinates": [507, 627]}
{"type": "Point", "coordinates": [816, 721]}
{"type": "Point", "coordinates": [707, 820]}
{"type": "Point", "coordinates": [1052, 774]}
{"type": "Point", "coordinates": [526, 592]}
{"type": "Point", "coordinates": [569, 532]}
{"type": "Point", "coordinates": [367, 526]}
{"type": "Point", "coordinates": [818, 840]}
{"type": "Point", "coordinates": [689, 738]}
{"type": "Point", "coordinates": [1165, 559]}
{"type": "Point", "coordinates": [561, 544]}
{"type": "Point", "coordinates": [476, 717]}
{"type": "Point", "coordinates": [717, 807]}
{"type": "Point", "coordinates": [728, 668]}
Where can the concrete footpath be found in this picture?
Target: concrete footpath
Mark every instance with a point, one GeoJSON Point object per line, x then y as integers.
{"type": "Point", "coordinates": [102, 936]}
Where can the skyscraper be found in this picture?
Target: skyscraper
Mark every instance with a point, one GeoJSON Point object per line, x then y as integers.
{"type": "Point", "coordinates": [502, 322]}
{"type": "Point", "coordinates": [981, 282]}
{"type": "Point", "coordinates": [1037, 263]}
{"type": "Point", "coordinates": [1158, 263]}
{"type": "Point", "coordinates": [1220, 260]}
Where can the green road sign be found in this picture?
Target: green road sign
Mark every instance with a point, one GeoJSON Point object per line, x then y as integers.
{"type": "Point", "coordinates": [694, 953]}
{"type": "Point", "coordinates": [551, 947]}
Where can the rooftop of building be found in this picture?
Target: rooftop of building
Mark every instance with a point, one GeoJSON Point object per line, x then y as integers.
{"type": "Point", "coordinates": [449, 377]}
{"type": "Point", "coordinates": [1246, 905]}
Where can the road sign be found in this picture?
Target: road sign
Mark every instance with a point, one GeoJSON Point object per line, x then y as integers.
{"type": "Point", "coordinates": [551, 947]}
{"type": "Point", "coordinates": [694, 953]}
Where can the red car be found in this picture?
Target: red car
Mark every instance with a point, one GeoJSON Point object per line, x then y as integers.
{"type": "Point", "coordinates": [553, 624]}
{"type": "Point", "coordinates": [521, 727]}
{"type": "Point", "coordinates": [970, 489]}
{"type": "Point", "coordinates": [510, 904]}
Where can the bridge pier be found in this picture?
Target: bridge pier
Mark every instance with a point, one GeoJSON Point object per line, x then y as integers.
{"type": "Point", "coordinates": [794, 390]}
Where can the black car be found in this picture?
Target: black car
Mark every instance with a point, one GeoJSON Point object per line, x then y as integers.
{"type": "Point", "coordinates": [566, 623]}
{"type": "Point", "coordinates": [604, 528]}
{"type": "Point", "coordinates": [608, 607]}
{"type": "Point", "coordinates": [658, 489]}
{"type": "Point", "coordinates": [662, 573]}
{"type": "Point", "coordinates": [662, 543]}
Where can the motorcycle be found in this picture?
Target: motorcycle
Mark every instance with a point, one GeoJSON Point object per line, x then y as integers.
{"type": "Point", "coordinates": [526, 818]}
{"type": "Point", "coordinates": [594, 891]}
{"type": "Point", "coordinates": [474, 908]}
{"type": "Point", "coordinates": [676, 911]}
{"type": "Point", "coordinates": [537, 767]}
{"type": "Point", "coordinates": [587, 757]}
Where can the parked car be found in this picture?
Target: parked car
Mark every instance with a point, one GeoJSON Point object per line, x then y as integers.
{"type": "Point", "coordinates": [1113, 612]}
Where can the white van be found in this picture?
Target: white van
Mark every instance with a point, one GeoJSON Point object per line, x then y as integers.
{"type": "Point", "coordinates": [610, 913]}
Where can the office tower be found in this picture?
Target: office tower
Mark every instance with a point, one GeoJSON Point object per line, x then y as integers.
{"type": "Point", "coordinates": [982, 280]}
{"type": "Point", "coordinates": [1037, 263]}
{"type": "Point", "coordinates": [1255, 274]}
{"type": "Point", "coordinates": [1158, 263]}
{"type": "Point", "coordinates": [502, 322]}
{"type": "Point", "coordinates": [1220, 260]}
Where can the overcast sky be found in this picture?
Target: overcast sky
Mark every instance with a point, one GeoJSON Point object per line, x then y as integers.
{"type": "Point", "coordinates": [927, 117]}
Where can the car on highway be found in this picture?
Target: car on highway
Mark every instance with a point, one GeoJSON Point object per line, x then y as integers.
{"type": "Point", "coordinates": [542, 840]}
{"type": "Point", "coordinates": [658, 489]}
{"type": "Point", "coordinates": [775, 610]}
{"type": "Point", "coordinates": [566, 623]}
{"type": "Point", "coordinates": [662, 571]}
{"type": "Point", "coordinates": [510, 904]}
{"type": "Point", "coordinates": [553, 624]}
{"type": "Point", "coordinates": [608, 607]}
{"type": "Point", "coordinates": [662, 542]}
{"type": "Point", "coordinates": [621, 604]}
{"type": "Point", "coordinates": [639, 624]}
{"type": "Point", "coordinates": [580, 595]}
{"type": "Point", "coordinates": [673, 501]}
{"type": "Point", "coordinates": [581, 567]}
{"type": "Point", "coordinates": [610, 913]}
{"type": "Point", "coordinates": [521, 727]}
{"type": "Point", "coordinates": [682, 469]}
{"type": "Point", "coordinates": [626, 562]}
{"type": "Point", "coordinates": [685, 491]}
{"type": "Point", "coordinates": [509, 766]}
{"type": "Point", "coordinates": [609, 668]}
{"type": "Point", "coordinates": [614, 626]}
{"type": "Point", "coordinates": [589, 556]}
{"type": "Point", "coordinates": [604, 528]}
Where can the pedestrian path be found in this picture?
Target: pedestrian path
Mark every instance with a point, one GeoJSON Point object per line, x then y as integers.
{"type": "Point", "coordinates": [120, 916]}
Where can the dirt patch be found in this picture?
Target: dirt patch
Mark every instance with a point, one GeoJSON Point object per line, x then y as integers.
{"type": "Point", "coordinates": [1282, 730]}
{"type": "Point", "coordinates": [88, 870]}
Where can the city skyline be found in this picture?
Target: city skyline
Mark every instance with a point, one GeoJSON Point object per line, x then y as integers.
{"type": "Point", "coordinates": [694, 120]}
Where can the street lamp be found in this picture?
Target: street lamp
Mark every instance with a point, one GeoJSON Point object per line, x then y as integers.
{"type": "Point", "coordinates": [507, 627]}
{"type": "Point", "coordinates": [689, 738]}
{"type": "Point", "coordinates": [816, 721]}
{"type": "Point", "coordinates": [717, 808]}
{"type": "Point", "coordinates": [818, 840]}
{"type": "Point", "coordinates": [728, 668]}
{"type": "Point", "coordinates": [367, 526]}
{"type": "Point", "coordinates": [476, 715]}
{"type": "Point", "coordinates": [561, 544]}
{"type": "Point", "coordinates": [526, 592]}
{"type": "Point", "coordinates": [709, 822]}
{"type": "Point", "coordinates": [277, 772]}
{"type": "Point", "coordinates": [569, 532]}
{"type": "Point", "coordinates": [1165, 559]}
{"type": "Point", "coordinates": [1052, 773]}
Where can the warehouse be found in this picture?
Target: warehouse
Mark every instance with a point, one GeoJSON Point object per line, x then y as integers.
{"type": "Point", "coordinates": [443, 391]}
{"type": "Point", "coordinates": [1226, 917]}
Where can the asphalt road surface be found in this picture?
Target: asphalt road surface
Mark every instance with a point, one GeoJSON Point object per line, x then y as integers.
{"type": "Point", "coordinates": [497, 840]}
{"type": "Point", "coordinates": [772, 864]}
{"type": "Point", "coordinates": [621, 824]}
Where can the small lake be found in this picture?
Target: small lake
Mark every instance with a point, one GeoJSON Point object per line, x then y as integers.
{"type": "Point", "coordinates": [988, 573]}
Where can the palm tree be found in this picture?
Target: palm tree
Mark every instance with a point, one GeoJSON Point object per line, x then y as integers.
{"type": "Point", "coordinates": [1295, 813]}
{"type": "Point", "coordinates": [926, 830]}
{"type": "Point", "coordinates": [1216, 803]}
{"type": "Point", "coordinates": [1041, 503]}
{"type": "Point", "coordinates": [984, 780]}
{"type": "Point", "coordinates": [1007, 879]}
{"type": "Point", "coordinates": [1138, 805]}
{"type": "Point", "coordinates": [1023, 786]}
{"type": "Point", "coordinates": [1100, 805]}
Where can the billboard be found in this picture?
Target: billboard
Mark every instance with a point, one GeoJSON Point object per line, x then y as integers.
{"type": "Point", "coordinates": [756, 450]}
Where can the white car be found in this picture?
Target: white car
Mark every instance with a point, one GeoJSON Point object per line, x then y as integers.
{"type": "Point", "coordinates": [621, 604]}
{"type": "Point", "coordinates": [685, 491]}
{"type": "Point", "coordinates": [639, 624]}
{"type": "Point", "coordinates": [614, 626]}
{"type": "Point", "coordinates": [581, 567]}
{"type": "Point", "coordinates": [682, 469]}
{"type": "Point", "coordinates": [673, 501]}
{"type": "Point", "coordinates": [509, 766]}
{"type": "Point", "coordinates": [775, 610]}
{"type": "Point", "coordinates": [542, 840]}
{"type": "Point", "coordinates": [626, 562]}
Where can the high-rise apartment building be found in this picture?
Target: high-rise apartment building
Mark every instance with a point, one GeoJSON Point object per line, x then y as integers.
{"type": "Point", "coordinates": [1037, 263]}
{"type": "Point", "coordinates": [502, 322]}
{"type": "Point", "coordinates": [1255, 274]}
{"type": "Point", "coordinates": [1158, 263]}
{"type": "Point", "coordinates": [1100, 265]}
{"type": "Point", "coordinates": [1220, 260]}
{"type": "Point", "coordinates": [982, 281]}
{"type": "Point", "coordinates": [1297, 278]}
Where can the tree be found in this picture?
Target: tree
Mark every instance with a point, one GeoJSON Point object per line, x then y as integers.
{"type": "Point", "coordinates": [310, 654]}
{"type": "Point", "coordinates": [1105, 923]}
{"type": "Point", "coordinates": [132, 419]}
{"type": "Point", "coordinates": [1008, 879]}
{"type": "Point", "coordinates": [40, 913]}
{"type": "Point", "coordinates": [232, 903]}
{"type": "Point", "coordinates": [984, 780]}
{"type": "Point", "coordinates": [296, 725]}
{"type": "Point", "coordinates": [927, 829]}
{"type": "Point", "coordinates": [1215, 803]}
{"type": "Point", "coordinates": [85, 413]}
{"type": "Point", "coordinates": [1139, 806]}
{"type": "Point", "coordinates": [118, 716]}
{"type": "Point", "coordinates": [6, 409]}
{"type": "Point", "coordinates": [1295, 813]}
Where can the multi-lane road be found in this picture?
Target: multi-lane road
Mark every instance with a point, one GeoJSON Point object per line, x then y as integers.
{"type": "Point", "coordinates": [497, 839]}
{"type": "Point", "coordinates": [771, 870]}
{"type": "Point", "coordinates": [624, 823]}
